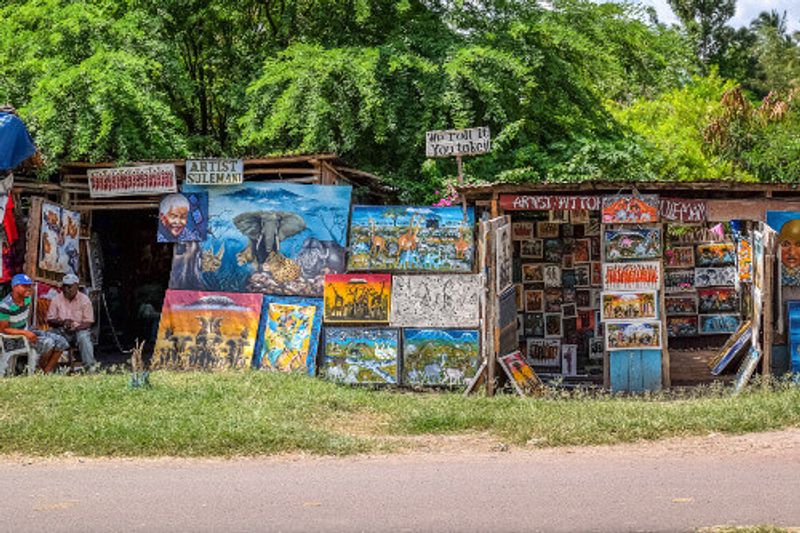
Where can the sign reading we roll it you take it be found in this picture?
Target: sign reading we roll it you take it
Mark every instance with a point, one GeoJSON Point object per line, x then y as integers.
{"type": "Point", "coordinates": [451, 143]}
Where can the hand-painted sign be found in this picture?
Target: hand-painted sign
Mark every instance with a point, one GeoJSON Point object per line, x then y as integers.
{"type": "Point", "coordinates": [214, 171]}
{"type": "Point", "coordinates": [450, 143]}
{"type": "Point", "coordinates": [132, 181]}
{"type": "Point", "coordinates": [680, 210]}
{"type": "Point", "coordinates": [524, 202]}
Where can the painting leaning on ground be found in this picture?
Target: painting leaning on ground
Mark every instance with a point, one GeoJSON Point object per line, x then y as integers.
{"type": "Point", "coordinates": [361, 355]}
{"type": "Point", "coordinates": [439, 356]}
{"type": "Point", "coordinates": [288, 334]}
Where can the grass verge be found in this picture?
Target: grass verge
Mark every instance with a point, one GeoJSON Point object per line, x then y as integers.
{"type": "Point", "coordinates": [255, 413]}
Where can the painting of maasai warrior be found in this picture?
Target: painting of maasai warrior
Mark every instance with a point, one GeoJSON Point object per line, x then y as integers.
{"type": "Point", "coordinates": [627, 209]}
{"type": "Point", "coordinates": [440, 356]}
{"type": "Point", "coordinates": [358, 297]}
{"type": "Point", "coordinates": [411, 238]}
{"type": "Point", "coordinates": [183, 217]}
{"type": "Point", "coordinates": [288, 334]}
{"type": "Point", "coordinates": [716, 254]}
{"type": "Point", "coordinates": [361, 355]}
{"type": "Point", "coordinates": [59, 247]}
{"type": "Point", "coordinates": [787, 224]}
{"type": "Point", "coordinates": [207, 330]}
{"type": "Point", "coordinates": [633, 243]}
{"type": "Point", "coordinates": [272, 238]}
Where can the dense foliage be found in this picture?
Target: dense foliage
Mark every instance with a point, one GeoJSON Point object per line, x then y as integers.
{"type": "Point", "coordinates": [571, 89]}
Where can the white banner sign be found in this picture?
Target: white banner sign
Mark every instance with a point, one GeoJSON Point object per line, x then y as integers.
{"type": "Point", "coordinates": [450, 143]}
{"type": "Point", "coordinates": [214, 171]}
{"type": "Point", "coordinates": [132, 181]}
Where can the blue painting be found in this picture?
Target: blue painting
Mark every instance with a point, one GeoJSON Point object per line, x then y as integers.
{"type": "Point", "coordinates": [272, 238]}
{"type": "Point", "coordinates": [412, 238]}
{"type": "Point", "coordinates": [183, 217]}
{"type": "Point", "coordinates": [787, 224]}
{"type": "Point", "coordinates": [440, 356]}
{"type": "Point", "coordinates": [288, 334]}
{"type": "Point", "coordinates": [361, 355]}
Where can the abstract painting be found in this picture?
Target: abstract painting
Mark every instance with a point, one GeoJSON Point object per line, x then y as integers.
{"type": "Point", "coordinates": [717, 300]}
{"type": "Point", "coordinates": [440, 356]}
{"type": "Point", "coordinates": [681, 326]}
{"type": "Point", "coordinates": [715, 277]}
{"type": "Point", "coordinates": [716, 254]}
{"type": "Point", "coordinates": [436, 301]}
{"type": "Point", "coordinates": [520, 374]}
{"type": "Point", "coordinates": [681, 304]}
{"type": "Point", "coordinates": [207, 330]}
{"type": "Point", "coordinates": [639, 335]}
{"type": "Point", "coordinates": [183, 217]}
{"type": "Point", "coordinates": [631, 276]}
{"type": "Point", "coordinates": [679, 257]}
{"type": "Point", "coordinates": [357, 297]}
{"type": "Point", "coordinates": [627, 209]}
{"type": "Point", "coordinates": [718, 324]}
{"type": "Point", "coordinates": [59, 248]}
{"type": "Point", "coordinates": [633, 243]}
{"type": "Point", "coordinates": [679, 280]}
{"type": "Point", "coordinates": [268, 237]}
{"type": "Point", "coordinates": [361, 355]}
{"type": "Point", "coordinates": [411, 238]}
{"type": "Point", "coordinates": [787, 224]}
{"type": "Point", "coordinates": [628, 305]}
{"type": "Point", "coordinates": [288, 334]}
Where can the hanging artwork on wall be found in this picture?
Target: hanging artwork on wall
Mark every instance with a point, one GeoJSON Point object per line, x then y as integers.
{"type": "Point", "coordinates": [744, 260]}
{"type": "Point", "coordinates": [681, 326]}
{"type": "Point", "coordinates": [436, 301]}
{"type": "Point", "coordinates": [787, 224]}
{"type": "Point", "coordinates": [639, 335]}
{"type": "Point", "coordinates": [619, 305]}
{"type": "Point", "coordinates": [552, 276]}
{"type": "Point", "coordinates": [360, 355]}
{"type": "Point", "coordinates": [645, 275]}
{"type": "Point", "coordinates": [679, 280]}
{"type": "Point", "coordinates": [440, 356]}
{"type": "Point", "coordinates": [632, 243]}
{"type": "Point", "coordinates": [630, 209]}
{"type": "Point", "coordinates": [579, 216]}
{"type": "Point", "coordinates": [411, 238]}
{"type": "Point", "coordinates": [357, 297]}
{"type": "Point", "coordinates": [583, 298]}
{"type": "Point", "coordinates": [558, 216]}
{"type": "Point", "coordinates": [715, 277]}
{"type": "Point", "coordinates": [681, 304]}
{"type": "Point", "coordinates": [553, 298]}
{"type": "Point", "coordinates": [534, 324]}
{"type": "Point", "coordinates": [503, 254]}
{"type": "Point", "coordinates": [552, 325]}
{"type": "Point", "coordinates": [718, 254]}
{"type": "Point", "coordinates": [583, 275]}
{"type": "Point", "coordinates": [547, 230]}
{"type": "Point", "coordinates": [532, 273]}
{"type": "Point", "coordinates": [288, 334]}
{"type": "Point", "coordinates": [522, 231]}
{"type": "Point", "coordinates": [586, 319]}
{"type": "Point", "coordinates": [553, 250]}
{"type": "Point", "coordinates": [268, 237]}
{"type": "Point", "coordinates": [534, 301]}
{"type": "Point", "coordinates": [532, 249]}
{"type": "Point", "coordinates": [569, 359]}
{"type": "Point", "coordinates": [718, 324]}
{"type": "Point", "coordinates": [183, 217]}
{"type": "Point", "coordinates": [520, 374]}
{"type": "Point", "coordinates": [567, 262]}
{"type": "Point", "coordinates": [207, 331]}
{"type": "Point", "coordinates": [544, 352]}
{"type": "Point", "coordinates": [717, 300]}
{"type": "Point", "coordinates": [679, 257]}
{"type": "Point", "coordinates": [597, 274]}
{"type": "Point", "coordinates": [59, 248]}
{"type": "Point", "coordinates": [582, 251]}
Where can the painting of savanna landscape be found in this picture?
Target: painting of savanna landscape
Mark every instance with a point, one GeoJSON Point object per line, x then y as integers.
{"type": "Point", "coordinates": [361, 355]}
{"type": "Point", "coordinates": [439, 356]}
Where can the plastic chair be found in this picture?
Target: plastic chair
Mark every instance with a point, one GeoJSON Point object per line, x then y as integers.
{"type": "Point", "coordinates": [11, 348]}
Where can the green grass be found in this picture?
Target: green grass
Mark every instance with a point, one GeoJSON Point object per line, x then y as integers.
{"type": "Point", "coordinates": [255, 413]}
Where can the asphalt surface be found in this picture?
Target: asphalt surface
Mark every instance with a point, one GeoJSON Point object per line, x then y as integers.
{"type": "Point", "coordinates": [661, 487]}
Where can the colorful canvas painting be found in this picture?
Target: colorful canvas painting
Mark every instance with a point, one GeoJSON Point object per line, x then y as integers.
{"type": "Point", "coordinates": [787, 224]}
{"type": "Point", "coordinates": [532, 249]}
{"type": "Point", "coordinates": [597, 274]}
{"type": "Point", "coordinates": [503, 254]}
{"type": "Point", "coordinates": [679, 257]}
{"type": "Point", "coordinates": [717, 300]}
{"type": "Point", "coordinates": [522, 231]}
{"type": "Point", "coordinates": [744, 260]}
{"type": "Point", "coordinates": [360, 355]}
{"type": "Point", "coordinates": [715, 277]}
{"type": "Point", "coordinates": [411, 238]}
{"type": "Point", "coordinates": [520, 374]}
{"type": "Point", "coordinates": [632, 243]}
{"type": "Point", "coordinates": [718, 324]}
{"type": "Point", "coordinates": [638, 335]}
{"type": "Point", "coordinates": [629, 209]}
{"type": "Point", "coordinates": [59, 248]}
{"type": "Point", "coordinates": [183, 217]}
{"type": "Point", "coordinates": [440, 356]}
{"type": "Point", "coordinates": [532, 273]}
{"type": "Point", "coordinates": [436, 301]}
{"type": "Point", "coordinates": [268, 237]}
{"type": "Point", "coordinates": [681, 304]}
{"type": "Point", "coordinates": [357, 297]}
{"type": "Point", "coordinates": [619, 305]}
{"type": "Point", "coordinates": [207, 330]}
{"type": "Point", "coordinates": [645, 275]}
{"type": "Point", "coordinates": [681, 326]}
{"type": "Point", "coordinates": [288, 334]}
{"type": "Point", "coordinates": [717, 254]}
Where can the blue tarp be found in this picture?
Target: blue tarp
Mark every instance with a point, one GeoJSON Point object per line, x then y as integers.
{"type": "Point", "coordinates": [16, 144]}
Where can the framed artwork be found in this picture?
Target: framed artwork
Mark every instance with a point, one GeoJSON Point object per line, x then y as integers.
{"type": "Point", "coordinates": [183, 217]}
{"type": "Point", "coordinates": [718, 324]}
{"type": "Point", "coordinates": [520, 374]}
{"type": "Point", "coordinates": [569, 311]}
{"type": "Point", "coordinates": [638, 335]}
{"type": "Point", "coordinates": [503, 255]}
{"type": "Point", "coordinates": [679, 257]}
{"type": "Point", "coordinates": [679, 280]}
{"type": "Point", "coordinates": [583, 275]}
{"type": "Point", "coordinates": [59, 248]}
{"type": "Point", "coordinates": [579, 216]}
{"type": "Point", "coordinates": [553, 250]}
{"type": "Point", "coordinates": [357, 297]}
{"type": "Point", "coordinates": [632, 243]}
{"type": "Point", "coordinates": [567, 261]}
{"type": "Point", "coordinates": [718, 254]}
{"type": "Point", "coordinates": [597, 274]}
{"type": "Point", "coordinates": [644, 275]}
{"type": "Point", "coordinates": [552, 276]}
{"type": "Point", "coordinates": [553, 298]}
{"type": "Point", "coordinates": [552, 351]}
{"type": "Point", "coordinates": [567, 230]}
{"type": "Point", "coordinates": [534, 301]}
{"type": "Point", "coordinates": [288, 334]}
{"type": "Point", "coordinates": [715, 277]}
{"type": "Point", "coordinates": [531, 249]}
{"type": "Point", "coordinates": [534, 324]}
{"type": "Point", "coordinates": [718, 300]}
{"type": "Point", "coordinates": [544, 352]}
{"type": "Point", "coordinates": [596, 348]}
{"type": "Point", "coordinates": [630, 209]}
{"type": "Point", "coordinates": [440, 356]}
{"type": "Point", "coordinates": [618, 305]}
{"type": "Point", "coordinates": [744, 260]}
{"type": "Point", "coordinates": [681, 304]}
{"type": "Point", "coordinates": [569, 359]}
{"type": "Point", "coordinates": [559, 216]}
{"type": "Point", "coordinates": [592, 228]}
{"type": "Point", "coordinates": [586, 319]}
{"type": "Point", "coordinates": [583, 298]}
{"type": "Point", "coordinates": [582, 251]}
{"type": "Point", "coordinates": [532, 272]}
{"type": "Point", "coordinates": [521, 231]}
{"type": "Point", "coordinates": [356, 355]}
{"type": "Point", "coordinates": [568, 296]}
{"type": "Point", "coordinates": [547, 230]}
{"type": "Point", "coordinates": [568, 279]}
{"type": "Point", "coordinates": [681, 326]}
{"type": "Point", "coordinates": [552, 325]}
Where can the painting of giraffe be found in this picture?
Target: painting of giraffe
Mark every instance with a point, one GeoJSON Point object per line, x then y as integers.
{"type": "Point", "coordinates": [357, 298]}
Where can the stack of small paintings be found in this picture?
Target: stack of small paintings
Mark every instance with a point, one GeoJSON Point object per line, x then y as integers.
{"type": "Point", "coordinates": [440, 356]}
{"type": "Point", "coordinates": [357, 355]}
{"type": "Point", "coordinates": [288, 334]}
{"type": "Point", "coordinates": [358, 297]}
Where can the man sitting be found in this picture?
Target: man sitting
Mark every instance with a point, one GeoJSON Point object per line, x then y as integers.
{"type": "Point", "coordinates": [71, 315]}
{"type": "Point", "coordinates": [14, 311]}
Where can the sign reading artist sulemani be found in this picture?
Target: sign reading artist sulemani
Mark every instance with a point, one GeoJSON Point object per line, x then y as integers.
{"type": "Point", "coordinates": [451, 143]}
{"type": "Point", "coordinates": [214, 171]}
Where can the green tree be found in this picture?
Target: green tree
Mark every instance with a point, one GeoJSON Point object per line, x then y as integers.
{"type": "Point", "coordinates": [705, 21]}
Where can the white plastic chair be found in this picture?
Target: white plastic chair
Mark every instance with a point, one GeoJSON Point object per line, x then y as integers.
{"type": "Point", "coordinates": [8, 357]}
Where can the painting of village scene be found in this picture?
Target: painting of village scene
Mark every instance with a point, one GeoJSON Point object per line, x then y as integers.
{"type": "Point", "coordinates": [628, 305]}
{"type": "Point", "coordinates": [627, 209]}
{"type": "Point", "coordinates": [357, 297]}
{"type": "Point", "coordinates": [59, 249]}
{"type": "Point", "coordinates": [272, 238]}
{"type": "Point", "coordinates": [408, 238]}
{"type": "Point", "coordinates": [716, 254]}
{"type": "Point", "coordinates": [207, 331]}
{"type": "Point", "coordinates": [288, 334]}
{"type": "Point", "coordinates": [440, 356]}
{"type": "Point", "coordinates": [361, 355]}
{"type": "Point", "coordinates": [639, 335]}
{"type": "Point", "coordinates": [633, 243]}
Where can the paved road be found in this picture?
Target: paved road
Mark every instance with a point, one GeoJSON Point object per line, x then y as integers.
{"type": "Point", "coordinates": [669, 486]}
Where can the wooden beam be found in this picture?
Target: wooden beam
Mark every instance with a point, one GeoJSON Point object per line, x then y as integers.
{"type": "Point", "coordinates": [280, 170]}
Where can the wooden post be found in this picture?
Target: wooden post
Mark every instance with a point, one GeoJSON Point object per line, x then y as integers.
{"type": "Point", "coordinates": [666, 379]}
{"type": "Point", "coordinates": [766, 306]}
